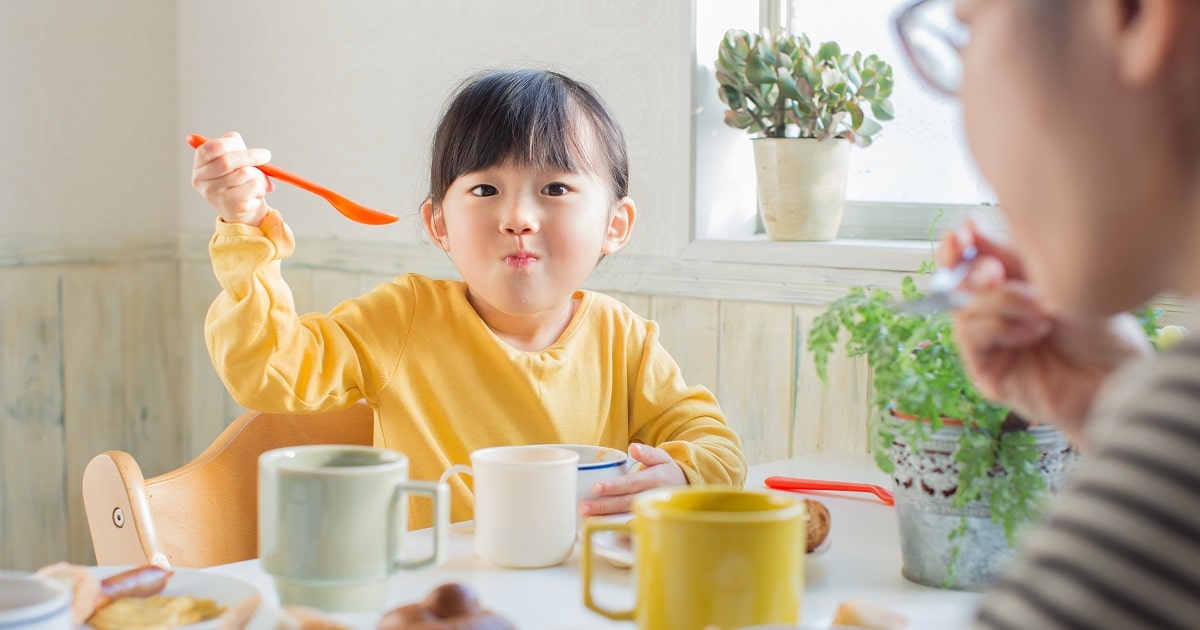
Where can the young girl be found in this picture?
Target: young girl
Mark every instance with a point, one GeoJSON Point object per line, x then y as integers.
{"type": "Point", "coordinates": [528, 192]}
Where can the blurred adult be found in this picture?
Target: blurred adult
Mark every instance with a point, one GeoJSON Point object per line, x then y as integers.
{"type": "Point", "coordinates": [1084, 115]}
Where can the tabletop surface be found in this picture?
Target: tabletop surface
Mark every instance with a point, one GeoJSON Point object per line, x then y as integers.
{"type": "Point", "coordinates": [862, 562]}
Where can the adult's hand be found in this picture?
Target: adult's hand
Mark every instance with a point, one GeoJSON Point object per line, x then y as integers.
{"type": "Point", "coordinates": [1047, 368]}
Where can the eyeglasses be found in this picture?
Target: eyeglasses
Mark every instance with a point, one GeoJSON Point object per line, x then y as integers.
{"type": "Point", "coordinates": [933, 38]}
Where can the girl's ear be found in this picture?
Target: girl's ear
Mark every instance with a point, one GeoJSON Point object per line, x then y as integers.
{"type": "Point", "coordinates": [620, 226]}
{"type": "Point", "coordinates": [435, 224]}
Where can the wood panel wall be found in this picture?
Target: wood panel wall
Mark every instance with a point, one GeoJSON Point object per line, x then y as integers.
{"type": "Point", "coordinates": [89, 361]}
{"type": "Point", "coordinates": [107, 353]}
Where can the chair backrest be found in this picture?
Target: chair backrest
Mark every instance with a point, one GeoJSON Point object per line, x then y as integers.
{"type": "Point", "coordinates": [205, 512]}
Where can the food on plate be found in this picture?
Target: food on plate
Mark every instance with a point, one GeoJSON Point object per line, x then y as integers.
{"type": "Point", "coordinates": [137, 582]}
{"type": "Point", "coordinates": [89, 593]}
{"type": "Point", "coordinates": [863, 614]}
{"type": "Point", "coordinates": [818, 523]}
{"type": "Point", "coordinates": [129, 599]}
{"type": "Point", "coordinates": [450, 606]}
{"type": "Point", "coordinates": [154, 611]}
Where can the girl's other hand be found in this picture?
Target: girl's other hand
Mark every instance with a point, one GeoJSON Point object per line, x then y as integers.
{"type": "Point", "coordinates": [224, 172]}
{"type": "Point", "coordinates": [616, 496]}
{"type": "Point", "coordinates": [1047, 368]}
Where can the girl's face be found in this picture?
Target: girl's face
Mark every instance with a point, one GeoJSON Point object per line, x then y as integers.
{"type": "Point", "coordinates": [1072, 149]}
{"type": "Point", "coordinates": [525, 240]}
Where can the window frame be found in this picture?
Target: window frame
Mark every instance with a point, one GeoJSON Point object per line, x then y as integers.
{"type": "Point", "coordinates": [876, 235]}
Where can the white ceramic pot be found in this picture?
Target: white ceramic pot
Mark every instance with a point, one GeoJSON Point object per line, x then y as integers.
{"type": "Point", "coordinates": [801, 186]}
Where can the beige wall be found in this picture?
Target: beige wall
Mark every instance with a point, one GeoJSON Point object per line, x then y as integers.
{"type": "Point", "coordinates": [88, 118]}
{"type": "Point", "coordinates": [351, 91]}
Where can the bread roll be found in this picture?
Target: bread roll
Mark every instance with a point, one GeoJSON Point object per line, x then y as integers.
{"type": "Point", "coordinates": [448, 607]}
{"type": "Point", "coordinates": [818, 523]}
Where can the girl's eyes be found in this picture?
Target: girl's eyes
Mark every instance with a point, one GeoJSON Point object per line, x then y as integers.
{"type": "Point", "coordinates": [552, 190]}
{"type": "Point", "coordinates": [484, 190]}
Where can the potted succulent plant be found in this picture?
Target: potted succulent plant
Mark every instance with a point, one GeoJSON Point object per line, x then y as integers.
{"type": "Point", "coordinates": [805, 106]}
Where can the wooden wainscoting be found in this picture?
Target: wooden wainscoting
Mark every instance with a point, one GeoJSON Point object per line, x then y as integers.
{"type": "Point", "coordinates": [102, 348]}
{"type": "Point", "coordinates": [89, 361]}
{"type": "Point", "coordinates": [751, 355]}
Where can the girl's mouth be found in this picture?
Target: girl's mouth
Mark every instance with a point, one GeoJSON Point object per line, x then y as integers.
{"type": "Point", "coordinates": [519, 261]}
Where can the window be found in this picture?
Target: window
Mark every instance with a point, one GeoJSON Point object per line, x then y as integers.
{"type": "Point", "coordinates": [919, 164]}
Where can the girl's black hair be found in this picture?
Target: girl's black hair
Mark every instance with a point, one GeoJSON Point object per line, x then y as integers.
{"type": "Point", "coordinates": [537, 118]}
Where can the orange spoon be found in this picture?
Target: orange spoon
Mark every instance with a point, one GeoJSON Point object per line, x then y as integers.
{"type": "Point", "coordinates": [800, 485]}
{"type": "Point", "coordinates": [351, 210]}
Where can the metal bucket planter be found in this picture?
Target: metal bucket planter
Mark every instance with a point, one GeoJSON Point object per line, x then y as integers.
{"type": "Point", "coordinates": [925, 481]}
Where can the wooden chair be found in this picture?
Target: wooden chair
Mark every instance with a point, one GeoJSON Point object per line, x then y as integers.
{"type": "Point", "coordinates": [206, 512]}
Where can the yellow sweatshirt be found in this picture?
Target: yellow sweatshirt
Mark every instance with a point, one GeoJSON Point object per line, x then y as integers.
{"type": "Point", "coordinates": [441, 383]}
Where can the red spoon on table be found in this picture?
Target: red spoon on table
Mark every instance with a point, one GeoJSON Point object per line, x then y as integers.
{"type": "Point", "coordinates": [351, 210]}
{"type": "Point", "coordinates": [795, 484]}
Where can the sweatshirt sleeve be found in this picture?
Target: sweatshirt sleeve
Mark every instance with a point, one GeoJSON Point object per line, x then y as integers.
{"type": "Point", "coordinates": [683, 420]}
{"type": "Point", "coordinates": [269, 357]}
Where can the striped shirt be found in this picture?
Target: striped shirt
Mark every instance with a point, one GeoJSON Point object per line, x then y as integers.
{"type": "Point", "coordinates": [1121, 548]}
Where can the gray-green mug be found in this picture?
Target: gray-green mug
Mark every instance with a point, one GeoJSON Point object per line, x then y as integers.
{"type": "Point", "coordinates": [332, 521]}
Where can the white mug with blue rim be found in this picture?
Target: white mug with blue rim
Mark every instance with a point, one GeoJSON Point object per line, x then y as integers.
{"type": "Point", "coordinates": [596, 463]}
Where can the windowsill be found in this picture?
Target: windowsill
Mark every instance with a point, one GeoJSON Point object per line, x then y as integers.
{"type": "Point", "coordinates": [887, 255]}
{"type": "Point", "coordinates": [875, 236]}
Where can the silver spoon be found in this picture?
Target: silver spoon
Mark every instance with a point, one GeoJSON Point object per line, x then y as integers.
{"type": "Point", "coordinates": [943, 295]}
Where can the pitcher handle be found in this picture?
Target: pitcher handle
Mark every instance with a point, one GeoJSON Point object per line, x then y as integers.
{"type": "Point", "coordinates": [589, 528]}
{"type": "Point", "coordinates": [439, 493]}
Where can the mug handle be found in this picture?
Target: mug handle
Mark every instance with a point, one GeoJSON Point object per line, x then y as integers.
{"type": "Point", "coordinates": [590, 527]}
{"type": "Point", "coordinates": [439, 494]}
{"type": "Point", "coordinates": [458, 469]}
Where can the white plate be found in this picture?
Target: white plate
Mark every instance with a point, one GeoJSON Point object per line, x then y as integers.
{"type": "Point", "coordinates": [617, 549]}
{"type": "Point", "coordinates": [227, 590]}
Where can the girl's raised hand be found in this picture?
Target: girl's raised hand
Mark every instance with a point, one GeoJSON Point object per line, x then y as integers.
{"type": "Point", "coordinates": [616, 496]}
{"type": "Point", "coordinates": [224, 172]}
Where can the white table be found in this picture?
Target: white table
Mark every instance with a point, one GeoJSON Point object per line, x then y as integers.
{"type": "Point", "coordinates": [863, 561]}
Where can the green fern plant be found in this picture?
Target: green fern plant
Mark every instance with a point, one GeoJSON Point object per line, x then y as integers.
{"type": "Point", "coordinates": [916, 369]}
